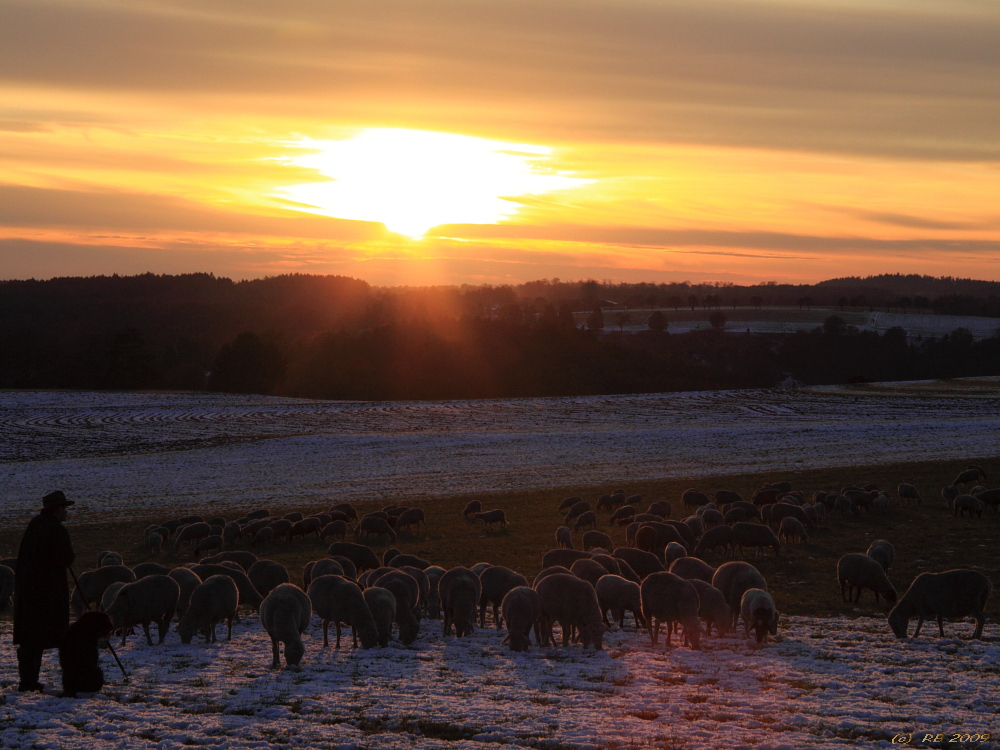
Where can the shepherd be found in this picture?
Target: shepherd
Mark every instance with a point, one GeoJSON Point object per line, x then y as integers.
{"type": "Point", "coordinates": [41, 610]}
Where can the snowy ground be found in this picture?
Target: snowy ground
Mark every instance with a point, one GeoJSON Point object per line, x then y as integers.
{"type": "Point", "coordinates": [826, 683]}
{"type": "Point", "coordinates": [131, 451]}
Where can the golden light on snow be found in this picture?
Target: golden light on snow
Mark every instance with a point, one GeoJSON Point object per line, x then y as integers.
{"type": "Point", "coordinates": [412, 180]}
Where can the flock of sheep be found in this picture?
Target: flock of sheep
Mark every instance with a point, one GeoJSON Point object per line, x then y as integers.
{"type": "Point", "coordinates": [661, 577]}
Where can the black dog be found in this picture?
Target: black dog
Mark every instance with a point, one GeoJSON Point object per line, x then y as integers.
{"type": "Point", "coordinates": [81, 668]}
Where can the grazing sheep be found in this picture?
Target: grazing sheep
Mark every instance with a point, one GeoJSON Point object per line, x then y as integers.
{"type": "Point", "coordinates": [263, 537]}
{"type": "Point", "coordinates": [496, 581]}
{"type": "Point", "coordinates": [712, 607]}
{"type": "Point", "coordinates": [713, 538]}
{"type": "Point", "coordinates": [423, 586]}
{"type": "Point", "coordinates": [968, 504]}
{"type": "Point", "coordinates": [260, 513]}
{"type": "Point", "coordinates": [546, 572]}
{"type": "Point", "coordinates": [78, 656]}
{"type": "Point", "coordinates": [712, 518]}
{"type": "Point", "coordinates": [622, 515]}
{"type": "Point", "coordinates": [491, 517]}
{"type": "Point", "coordinates": [727, 496]}
{"type": "Point", "coordinates": [733, 579]}
{"type": "Point", "coordinates": [691, 568]}
{"type": "Point", "coordinates": [855, 570]}
{"type": "Point", "coordinates": [953, 594]}
{"type": "Point", "coordinates": [361, 555]}
{"type": "Point", "coordinates": [881, 504]}
{"type": "Point", "coordinates": [786, 510]}
{"type": "Point", "coordinates": [521, 608]}
{"type": "Point", "coordinates": [845, 506]}
{"type": "Point", "coordinates": [592, 539]}
{"type": "Point", "coordinates": [645, 539]}
{"type": "Point", "coordinates": [572, 603]}
{"type": "Point", "coordinates": [266, 575]}
{"type": "Point", "coordinates": [337, 600]}
{"type": "Point", "coordinates": [970, 476]}
{"type": "Point", "coordinates": [909, 492]}
{"type": "Point", "coordinates": [670, 599]}
{"type": "Point", "coordinates": [191, 533]}
{"type": "Point", "coordinates": [564, 557]}
{"type": "Point", "coordinates": [460, 590]}
{"type": "Point", "coordinates": [213, 542]}
{"type": "Point", "coordinates": [588, 570]}
{"type": "Point", "coordinates": [304, 527]}
{"type": "Point", "coordinates": [336, 529]}
{"type": "Point", "coordinates": [214, 600]}
{"type": "Point", "coordinates": [673, 551]}
{"type": "Point", "coordinates": [241, 557]}
{"type": "Point", "coordinates": [374, 526]}
{"type": "Point", "coordinates": [693, 497]}
{"type": "Point", "coordinates": [586, 519]}
{"type": "Point", "coordinates": [948, 494]}
{"type": "Point", "coordinates": [577, 510]}
{"type": "Point", "coordinates": [605, 502]}
{"type": "Point", "coordinates": [187, 581]}
{"type": "Point", "coordinates": [285, 615]}
{"type": "Point", "coordinates": [389, 555]}
{"type": "Point", "coordinates": [661, 508]}
{"type": "Point", "coordinates": [248, 593]}
{"type": "Point", "coordinates": [406, 591]}
{"type": "Point", "coordinates": [109, 596]}
{"type": "Point", "coordinates": [294, 516]}
{"type": "Point", "coordinates": [696, 524]}
{"type": "Point", "coordinates": [151, 599]}
{"type": "Point", "coordinates": [792, 529]}
{"type": "Point", "coordinates": [643, 563]}
{"type": "Point", "coordinates": [155, 542]}
{"type": "Point", "coordinates": [409, 518]}
{"type": "Point", "coordinates": [474, 506]}
{"type": "Point", "coordinates": [618, 595]}
{"type": "Point", "coordinates": [92, 583]}
{"type": "Point", "coordinates": [149, 569]}
{"type": "Point", "coordinates": [610, 564]}
{"type": "Point", "coordinates": [569, 502]}
{"type": "Point", "coordinates": [282, 529]}
{"type": "Point", "coordinates": [382, 606]}
{"type": "Point", "coordinates": [564, 537]}
{"type": "Point", "coordinates": [230, 533]}
{"type": "Point", "coordinates": [432, 609]}
{"type": "Point", "coordinates": [758, 611]}
{"type": "Point", "coordinates": [108, 558]}
{"type": "Point", "coordinates": [347, 509]}
{"type": "Point", "coordinates": [882, 552]}
{"type": "Point", "coordinates": [735, 515]}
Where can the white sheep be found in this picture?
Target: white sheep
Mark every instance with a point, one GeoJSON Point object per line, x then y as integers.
{"type": "Point", "coordinates": [188, 581]}
{"type": "Point", "coordinates": [214, 600]}
{"type": "Point", "coordinates": [619, 595]}
{"type": "Point", "coordinates": [758, 611]}
{"type": "Point", "coordinates": [572, 603]}
{"type": "Point", "coordinates": [690, 568]}
{"type": "Point", "coordinates": [150, 599]}
{"type": "Point", "coordinates": [734, 579]}
{"type": "Point", "coordinates": [564, 537]}
{"type": "Point", "coordinates": [265, 575]}
{"type": "Point", "coordinates": [382, 605]}
{"type": "Point", "coordinates": [909, 492]}
{"type": "Point", "coordinates": [521, 608]}
{"type": "Point", "coordinates": [337, 600]}
{"type": "Point", "coordinates": [882, 552]}
{"type": "Point", "coordinates": [792, 528]}
{"type": "Point", "coordinates": [855, 570]}
{"type": "Point", "coordinates": [285, 615]}
{"type": "Point", "coordinates": [92, 584]}
{"type": "Point", "coordinates": [670, 599]}
{"type": "Point", "coordinates": [952, 594]}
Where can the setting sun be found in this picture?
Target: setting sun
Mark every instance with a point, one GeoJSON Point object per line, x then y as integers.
{"type": "Point", "coordinates": [412, 180]}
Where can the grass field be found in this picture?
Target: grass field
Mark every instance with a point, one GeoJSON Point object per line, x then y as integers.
{"type": "Point", "coordinates": [926, 538]}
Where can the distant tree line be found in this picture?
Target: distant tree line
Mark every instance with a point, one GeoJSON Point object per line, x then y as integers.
{"type": "Point", "coordinates": [334, 337]}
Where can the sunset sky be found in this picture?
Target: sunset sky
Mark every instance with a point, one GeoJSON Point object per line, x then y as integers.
{"type": "Point", "coordinates": [454, 141]}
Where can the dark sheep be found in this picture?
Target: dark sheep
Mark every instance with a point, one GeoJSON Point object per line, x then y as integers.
{"type": "Point", "coordinates": [521, 608]}
{"type": "Point", "coordinates": [491, 517]}
{"type": "Point", "coordinates": [754, 535]}
{"type": "Point", "coordinates": [734, 579]}
{"type": "Point", "coordinates": [362, 556]}
{"type": "Point", "coordinates": [643, 563]}
{"type": "Point", "coordinates": [712, 539]}
{"type": "Point", "coordinates": [496, 581]}
{"type": "Point", "coordinates": [572, 603]}
{"type": "Point", "coordinates": [593, 539]}
{"type": "Point", "coordinates": [953, 594]}
{"type": "Point", "coordinates": [459, 590]}
{"type": "Point", "coordinates": [670, 599]}
{"type": "Point", "coordinates": [564, 557]}
{"type": "Point", "coordinates": [586, 519]}
{"type": "Point", "coordinates": [474, 506]}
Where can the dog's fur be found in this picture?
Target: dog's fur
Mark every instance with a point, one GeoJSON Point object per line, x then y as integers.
{"type": "Point", "coordinates": [81, 668]}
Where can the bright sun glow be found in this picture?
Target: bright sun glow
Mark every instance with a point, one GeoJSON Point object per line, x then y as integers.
{"type": "Point", "coordinates": [412, 180]}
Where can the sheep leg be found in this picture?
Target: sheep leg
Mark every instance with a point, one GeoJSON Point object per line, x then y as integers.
{"type": "Point", "coordinates": [230, 636]}
{"type": "Point", "coordinates": [920, 622]}
{"type": "Point", "coordinates": [276, 660]}
{"type": "Point", "coordinates": [482, 615]}
{"type": "Point", "coordinates": [354, 635]}
{"type": "Point", "coordinates": [980, 619]}
{"type": "Point", "coordinates": [496, 616]}
{"type": "Point", "coordinates": [941, 625]}
{"type": "Point", "coordinates": [163, 625]}
{"type": "Point", "coordinates": [654, 630]}
{"type": "Point", "coordinates": [326, 633]}
{"type": "Point", "coordinates": [145, 629]}
{"type": "Point", "coordinates": [337, 625]}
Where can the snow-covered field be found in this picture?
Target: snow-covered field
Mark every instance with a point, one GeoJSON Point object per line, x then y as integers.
{"type": "Point", "coordinates": [129, 452]}
{"type": "Point", "coordinates": [826, 683]}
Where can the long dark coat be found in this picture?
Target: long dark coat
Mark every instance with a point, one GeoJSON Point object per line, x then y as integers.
{"type": "Point", "coordinates": [41, 610]}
